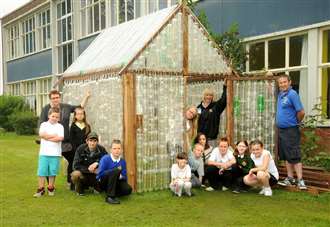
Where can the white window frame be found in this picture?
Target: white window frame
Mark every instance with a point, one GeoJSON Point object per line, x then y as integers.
{"type": "Point", "coordinates": [13, 39]}
{"type": "Point", "coordinates": [61, 44]}
{"type": "Point", "coordinates": [43, 27]}
{"type": "Point", "coordinates": [29, 34]}
{"type": "Point", "coordinates": [90, 5]}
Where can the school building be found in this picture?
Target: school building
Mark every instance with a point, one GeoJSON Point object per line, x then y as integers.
{"type": "Point", "coordinates": [42, 38]}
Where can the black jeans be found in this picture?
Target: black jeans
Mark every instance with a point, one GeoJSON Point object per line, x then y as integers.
{"type": "Point", "coordinates": [217, 180]}
{"type": "Point", "coordinates": [69, 157]}
{"type": "Point", "coordinates": [113, 186]}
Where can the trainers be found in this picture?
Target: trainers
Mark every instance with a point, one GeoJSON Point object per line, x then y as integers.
{"type": "Point", "coordinates": [288, 181]}
{"type": "Point", "coordinates": [237, 190]}
{"type": "Point", "coordinates": [301, 184]}
{"type": "Point", "coordinates": [268, 191]}
{"type": "Point", "coordinates": [262, 192]}
{"type": "Point", "coordinates": [51, 191]}
{"type": "Point", "coordinates": [39, 193]}
{"type": "Point", "coordinates": [224, 188]}
{"type": "Point", "coordinates": [209, 189]}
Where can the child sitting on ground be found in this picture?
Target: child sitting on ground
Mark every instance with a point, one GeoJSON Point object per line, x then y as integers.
{"type": "Point", "coordinates": [197, 165]}
{"type": "Point", "coordinates": [180, 175]}
{"type": "Point", "coordinates": [243, 165]}
{"type": "Point", "coordinates": [265, 173]}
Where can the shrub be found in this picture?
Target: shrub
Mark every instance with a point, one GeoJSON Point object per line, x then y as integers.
{"type": "Point", "coordinates": [24, 123]}
{"type": "Point", "coordinates": [8, 106]}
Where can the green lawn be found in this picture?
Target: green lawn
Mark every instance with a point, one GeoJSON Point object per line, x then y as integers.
{"type": "Point", "coordinates": [18, 162]}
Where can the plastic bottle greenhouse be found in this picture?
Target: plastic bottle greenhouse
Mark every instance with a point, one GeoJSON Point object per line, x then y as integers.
{"type": "Point", "coordinates": [142, 74]}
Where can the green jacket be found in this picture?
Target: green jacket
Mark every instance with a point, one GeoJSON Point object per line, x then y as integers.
{"type": "Point", "coordinates": [245, 163]}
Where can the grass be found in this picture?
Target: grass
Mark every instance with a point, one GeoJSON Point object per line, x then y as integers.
{"type": "Point", "coordinates": [18, 164]}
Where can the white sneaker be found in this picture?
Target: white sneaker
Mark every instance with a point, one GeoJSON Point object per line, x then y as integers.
{"type": "Point", "coordinates": [268, 192]}
{"type": "Point", "coordinates": [209, 189]}
{"type": "Point", "coordinates": [224, 188]}
{"type": "Point", "coordinates": [262, 192]}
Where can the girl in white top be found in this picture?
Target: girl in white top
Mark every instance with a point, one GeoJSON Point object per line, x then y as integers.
{"type": "Point", "coordinates": [265, 173]}
{"type": "Point", "coordinates": [180, 175]}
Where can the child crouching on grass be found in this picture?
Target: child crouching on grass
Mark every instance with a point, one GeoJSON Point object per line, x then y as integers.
{"type": "Point", "coordinates": [265, 173]}
{"type": "Point", "coordinates": [51, 133]}
{"type": "Point", "coordinates": [180, 175]}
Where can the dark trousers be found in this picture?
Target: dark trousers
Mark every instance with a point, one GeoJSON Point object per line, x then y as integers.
{"type": "Point", "coordinates": [69, 157]}
{"type": "Point", "coordinates": [217, 180]}
{"type": "Point", "coordinates": [237, 176]}
{"type": "Point", "coordinates": [113, 186]}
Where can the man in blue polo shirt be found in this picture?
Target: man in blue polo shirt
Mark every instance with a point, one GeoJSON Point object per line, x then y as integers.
{"type": "Point", "coordinates": [112, 174]}
{"type": "Point", "coordinates": [290, 112]}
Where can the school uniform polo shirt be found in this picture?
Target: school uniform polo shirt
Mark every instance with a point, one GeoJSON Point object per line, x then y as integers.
{"type": "Point", "coordinates": [288, 104]}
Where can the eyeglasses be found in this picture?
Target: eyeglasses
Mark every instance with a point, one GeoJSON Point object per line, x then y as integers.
{"type": "Point", "coordinates": [56, 97]}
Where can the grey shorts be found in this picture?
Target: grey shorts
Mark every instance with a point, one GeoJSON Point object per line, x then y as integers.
{"type": "Point", "coordinates": [289, 144]}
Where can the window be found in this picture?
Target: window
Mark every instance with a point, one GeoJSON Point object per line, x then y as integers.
{"type": "Point", "coordinates": [14, 89]}
{"type": "Point", "coordinates": [64, 35]}
{"type": "Point", "coordinates": [29, 93]}
{"type": "Point", "coordinates": [13, 42]}
{"type": "Point", "coordinates": [93, 16]}
{"type": "Point", "coordinates": [43, 29]}
{"type": "Point", "coordinates": [28, 34]}
{"type": "Point", "coordinates": [257, 56]}
{"type": "Point", "coordinates": [126, 10]}
{"type": "Point", "coordinates": [325, 76]}
{"type": "Point", "coordinates": [276, 53]}
{"type": "Point", "coordinates": [298, 50]}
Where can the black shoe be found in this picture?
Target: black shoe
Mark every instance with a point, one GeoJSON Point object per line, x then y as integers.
{"type": "Point", "coordinates": [237, 190]}
{"type": "Point", "coordinates": [112, 200]}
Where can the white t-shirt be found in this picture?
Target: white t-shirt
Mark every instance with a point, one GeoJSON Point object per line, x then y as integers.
{"type": "Point", "coordinates": [217, 157]}
{"type": "Point", "coordinates": [177, 172]}
{"type": "Point", "coordinates": [271, 166]}
{"type": "Point", "coordinates": [49, 148]}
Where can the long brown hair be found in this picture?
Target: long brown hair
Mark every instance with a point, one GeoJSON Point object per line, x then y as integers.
{"type": "Point", "coordinates": [247, 151]}
{"type": "Point", "coordinates": [196, 140]}
{"type": "Point", "coordinates": [88, 127]}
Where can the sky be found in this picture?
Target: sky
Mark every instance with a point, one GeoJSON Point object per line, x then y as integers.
{"type": "Point", "coordinates": [7, 6]}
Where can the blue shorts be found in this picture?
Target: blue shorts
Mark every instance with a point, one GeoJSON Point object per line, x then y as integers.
{"type": "Point", "coordinates": [48, 165]}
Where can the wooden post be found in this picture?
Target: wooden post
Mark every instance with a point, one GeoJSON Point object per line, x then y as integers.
{"type": "Point", "coordinates": [129, 133]}
{"type": "Point", "coordinates": [230, 111]}
{"type": "Point", "coordinates": [185, 65]}
{"type": "Point", "coordinates": [185, 41]}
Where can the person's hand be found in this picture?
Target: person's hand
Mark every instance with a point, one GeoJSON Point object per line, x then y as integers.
{"type": "Point", "coordinates": [93, 167]}
{"type": "Point", "coordinates": [88, 93]}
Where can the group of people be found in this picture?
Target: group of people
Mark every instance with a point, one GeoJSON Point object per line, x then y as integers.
{"type": "Point", "coordinates": [89, 163]}
{"type": "Point", "coordinates": [209, 163]}
{"type": "Point", "coordinates": [250, 165]}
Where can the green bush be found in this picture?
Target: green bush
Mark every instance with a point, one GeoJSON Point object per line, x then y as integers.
{"type": "Point", "coordinates": [10, 105]}
{"type": "Point", "coordinates": [24, 123]}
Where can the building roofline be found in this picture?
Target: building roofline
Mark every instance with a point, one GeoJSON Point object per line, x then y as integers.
{"type": "Point", "coordinates": [284, 32]}
{"type": "Point", "coordinates": [22, 11]}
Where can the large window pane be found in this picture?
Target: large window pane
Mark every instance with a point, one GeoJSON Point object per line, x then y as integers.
{"type": "Point", "coordinates": [276, 54]}
{"type": "Point", "coordinates": [162, 4]}
{"type": "Point", "coordinates": [326, 46]}
{"type": "Point", "coordinates": [130, 10]}
{"type": "Point", "coordinates": [326, 92]}
{"type": "Point", "coordinates": [138, 5]}
{"type": "Point", "coordinates": [121, 11]}
{"type": "Point", "coordinates": [298, 50]}
{"type": "Point", "coordinates": [299, 84]}
{"type": "Point", "coordinates": [102, 15]}
{"type": "Point", "coordinates": [257, 56]}
{"type": "Point", "coordinates": [152, 6]}
{"type": "Point", "coordinates": [96, 18]}
{"type": "Point", "coordinates": [113, 13]}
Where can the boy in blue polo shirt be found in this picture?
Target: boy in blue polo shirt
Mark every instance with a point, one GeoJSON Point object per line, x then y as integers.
{"type": "Point", "coordinates": [289, 114]}
{"type": "Point", "coordinates": [112, 174]}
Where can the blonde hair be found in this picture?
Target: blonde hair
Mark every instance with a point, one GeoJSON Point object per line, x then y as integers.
{"type": "Point", "coordinates": [208, 91]}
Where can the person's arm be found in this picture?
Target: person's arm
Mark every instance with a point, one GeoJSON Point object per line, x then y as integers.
{"type": "Point", "coordinates": [263, 167]}
{"type": "Point", "coordinates": [229, 163]}
{"type": "Point", "coordinates": [85, 99]}
{"type": "Point", "coordinates": [77, 165]}
{"type": "Point", "coordinates": [220, 105]}
{"type": "Point", "coordinates": [300, 115]}
{"type": "Point", "coordinates": [123, 169]}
